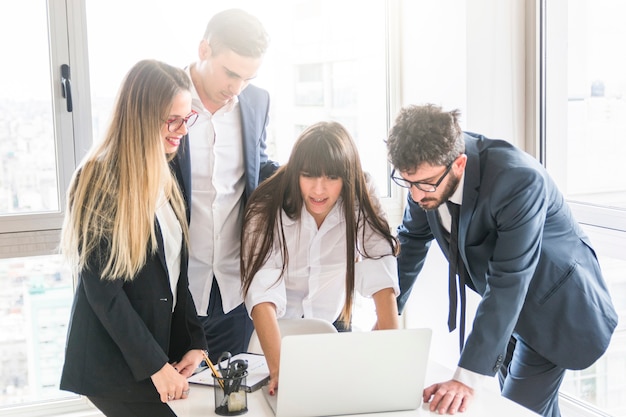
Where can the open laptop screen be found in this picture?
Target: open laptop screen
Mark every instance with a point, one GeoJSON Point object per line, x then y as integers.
{"type": "Point", "coordinates": [352, 372]}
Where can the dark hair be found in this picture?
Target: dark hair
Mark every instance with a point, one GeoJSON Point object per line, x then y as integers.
{"type": "Point", "coordinates": [238, 31]}
{"type": "Point", "coordinates": [424, 134]}
{"type": "Point", "coordinates": [325, 148]}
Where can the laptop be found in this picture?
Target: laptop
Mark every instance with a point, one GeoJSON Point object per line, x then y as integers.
{"type": "Point", "coordinates": [351, 373]}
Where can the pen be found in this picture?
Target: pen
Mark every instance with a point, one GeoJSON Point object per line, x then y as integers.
{"type": "Point", "coordinates": [216, 373]}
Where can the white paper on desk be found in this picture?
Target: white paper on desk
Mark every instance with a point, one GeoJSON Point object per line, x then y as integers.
{"type": "Point", "coordinates": [258, 372]}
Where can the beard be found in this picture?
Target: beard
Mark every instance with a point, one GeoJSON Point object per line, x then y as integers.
{"type": "Point", "coordinates": [432, 203]}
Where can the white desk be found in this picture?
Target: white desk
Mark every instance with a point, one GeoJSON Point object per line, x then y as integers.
{"type": "Point", "coordinates": [486, 402]}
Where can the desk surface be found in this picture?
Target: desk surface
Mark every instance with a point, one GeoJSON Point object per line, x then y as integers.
{"type": "Point", "coordinates": [486, 402]}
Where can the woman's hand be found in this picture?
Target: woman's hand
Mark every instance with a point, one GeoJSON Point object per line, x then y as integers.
{"type": "Point", "coordinates": [188, 364]}
{"type": "Point", "coordinates": [272, 385]}
{"type": "Point", "coordinates": [170, 384]}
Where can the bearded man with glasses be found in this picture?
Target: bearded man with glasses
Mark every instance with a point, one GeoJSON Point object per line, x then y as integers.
{"type": "Point", "coordinates": [509, 235]}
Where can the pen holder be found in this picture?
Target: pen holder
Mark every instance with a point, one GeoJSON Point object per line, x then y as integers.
{"type": "Point", "coordinates": [231, 398]}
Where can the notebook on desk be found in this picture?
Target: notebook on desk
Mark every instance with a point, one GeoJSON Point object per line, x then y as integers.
{"type": "Point", "coordinates": [350, 373]}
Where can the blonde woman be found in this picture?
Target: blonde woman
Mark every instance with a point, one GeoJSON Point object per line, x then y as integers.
{"type": "Point", "coordinates": [313, 235]}
{"type": "Point", "coordinates": [133, 337]}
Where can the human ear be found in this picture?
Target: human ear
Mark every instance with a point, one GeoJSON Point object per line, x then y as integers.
{"type": "Point", "coordinates": [460, 163]}
{"type": "Point", "coordinates": [204, 50]}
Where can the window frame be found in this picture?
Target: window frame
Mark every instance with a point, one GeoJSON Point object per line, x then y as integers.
{"type": "Point", "coordinates": [36, 234]}
{"type": "Point", "coordinates": [606, 226]}
{"type": "Point", "coordinates": [553, 86]}
{"type": "Point", "coordinates": [15, 223]}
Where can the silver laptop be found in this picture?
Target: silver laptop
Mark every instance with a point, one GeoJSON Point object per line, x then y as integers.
{"type": "Point", "coordinates": [350, 373]}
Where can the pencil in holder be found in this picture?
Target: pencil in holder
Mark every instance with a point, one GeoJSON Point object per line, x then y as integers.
{"type": "Point", "coordinates": [230, 395]}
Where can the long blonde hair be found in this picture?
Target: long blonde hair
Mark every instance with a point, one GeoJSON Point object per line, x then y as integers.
{"type": "Point", "coordinates": [112, 198]}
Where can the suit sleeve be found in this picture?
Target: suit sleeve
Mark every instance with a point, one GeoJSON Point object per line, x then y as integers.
{"type": "Point", "coordinates": [517, 206]}
{"type": "Point", "coordinates": [415, 238]}
{"type": "Point", "coordinates": [187, 333]}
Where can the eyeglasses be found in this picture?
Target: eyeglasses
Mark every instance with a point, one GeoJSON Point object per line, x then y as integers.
{"type": "Point", "coordinates": [423, 186]}
{"type": "Point", "coordinates": [174, 124]}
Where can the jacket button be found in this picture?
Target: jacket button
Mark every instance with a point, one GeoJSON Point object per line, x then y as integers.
{"type": "Point", "coordinates": [498, 363]}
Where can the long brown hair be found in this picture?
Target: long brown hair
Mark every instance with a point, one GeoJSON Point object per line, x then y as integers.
{"type": "Point", "coordinates": [113, 195]}
{"type": "Point", "coordinates": [325, 148]}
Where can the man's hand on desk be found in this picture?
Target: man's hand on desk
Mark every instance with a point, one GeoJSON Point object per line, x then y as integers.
{"type": "Point", "coordinates": [448, 397]}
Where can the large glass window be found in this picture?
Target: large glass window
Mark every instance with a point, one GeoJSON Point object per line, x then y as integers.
{"type": "Point", "coordinates": [323, 63]}
{"type": "Point", "coordinates": [36, 160]}
{"type": "Point", "coordinates": [584, 139]}
{"type": "Point", "coordinates": [594, 83]}
{"type": "Point", "coordinates": [35, 295]}
{"type": "Point", "coordinates": [26, 125]}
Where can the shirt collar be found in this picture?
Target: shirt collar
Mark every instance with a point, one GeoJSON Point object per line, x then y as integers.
{"type": "Point", "coordinates": [457, 197]}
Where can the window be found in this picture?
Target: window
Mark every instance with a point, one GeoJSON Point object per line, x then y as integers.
{"type": "Point", "coordinates": [33, 161]}
{"type": "Point", "coordinates": [585, 117]}
{"type": "Point", "coordinates": [36, 298]}
{"type": "Point", "coordinates": [321, 64]}
{"type": "Point", "coordinates": [309, 86]}
{"type": "Point", "coordinates": [36, 162]}
{"type": "Point", "coordinates": [26, 116]}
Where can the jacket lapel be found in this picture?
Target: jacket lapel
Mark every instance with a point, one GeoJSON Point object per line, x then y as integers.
{"type": "Point", "coordinates": [161, 247]}
{"type": "Point", "coordinates": [250, 153]}
{"type": "Point", "coordinates": [470, 191]}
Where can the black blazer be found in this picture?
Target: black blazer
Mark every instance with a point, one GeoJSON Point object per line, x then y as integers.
{"type": "Point", "coordinates": [120, 333]}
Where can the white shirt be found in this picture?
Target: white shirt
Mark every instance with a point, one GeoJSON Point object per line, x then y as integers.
{"type": "Point", "coordinates": [217, 188]}
{"type": "Point", "coordinates": [172, 235]}
{"type": "Point", "coordinates": [314, 281]}
{"type": "Point", "coordinates": [457, 197]}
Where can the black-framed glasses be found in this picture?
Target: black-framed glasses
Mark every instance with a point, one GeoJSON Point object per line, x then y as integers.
{"type": "Point", "coordinates": [423, 186]}
{"type": "Point", "coordinates": [174, 124]}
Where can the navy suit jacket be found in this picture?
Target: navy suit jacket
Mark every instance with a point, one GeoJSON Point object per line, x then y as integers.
{"type": "Point", "coordinates": [527, 257]}
{"type": "Point", "coordinates": [120, 333]}
{"type": "Point", "coordinates": [254, 105]}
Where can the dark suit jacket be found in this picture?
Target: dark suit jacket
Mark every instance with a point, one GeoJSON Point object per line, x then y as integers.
{"type": "Point", "coordinates": [254, 104]}
{"type": "Point", "coordinates": [527, 257]}
{"type": "Point", "coordinates": [120, 333]}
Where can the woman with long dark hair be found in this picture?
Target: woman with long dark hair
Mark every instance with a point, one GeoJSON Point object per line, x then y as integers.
{"type": "Point", "coordinates": [314, 234]}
